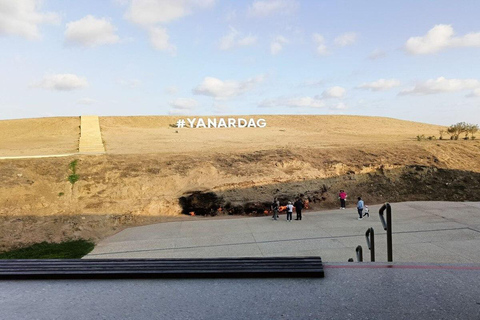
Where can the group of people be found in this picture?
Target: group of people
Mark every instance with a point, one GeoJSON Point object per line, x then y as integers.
{"type": "Point", "coordinates": [361, 207]}
{"type": "Point", "coordinates": [297, 206]}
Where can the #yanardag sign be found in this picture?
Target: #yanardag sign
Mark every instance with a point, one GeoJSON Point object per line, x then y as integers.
{"type": "Point", "coordinates": [221, 123]}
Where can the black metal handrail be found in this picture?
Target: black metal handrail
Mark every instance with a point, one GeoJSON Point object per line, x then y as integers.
{"type": "Point", "coordinates": [359, 252]}
{"type": "Point", "coordinates": [388, 227]}
{"type": "Point", "coordinates": [370, 237]}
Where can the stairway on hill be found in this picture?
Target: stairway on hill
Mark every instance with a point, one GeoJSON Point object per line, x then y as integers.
{"type": "Point", "coordinates": [90, 135]}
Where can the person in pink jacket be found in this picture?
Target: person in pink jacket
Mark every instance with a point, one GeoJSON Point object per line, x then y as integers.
{"type": "Point", "coordinates": [343, 198]}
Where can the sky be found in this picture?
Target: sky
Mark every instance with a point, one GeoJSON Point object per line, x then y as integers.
{"type": "Point", "coordinates": [416, 60]}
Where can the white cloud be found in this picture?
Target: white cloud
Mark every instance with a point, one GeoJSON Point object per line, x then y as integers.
{"type": "Point", "coordinates": [183, 106]}
{"type": "Point", "coordinates": [90, 32]}
{"type": "Point", "coordinates": [263, 8]}
{"type": "Point", "coordinates": [334, 92]}
{"type": "Point", "coordinates": [62, 82]}
{"type": "Point", "coordinates": [441, 37]}
{"type": "Point", "coordinates": [377, 54]}
{"type": "Point", "coordinates": [129, 83]}
{"type": "Point", "coordinates": [475, 93]}
{"type": "Point", "coordinates": [184, 103]}
{"type": "Point", "coordinates": [226, 89]}
{"type": "Point", "coordinates": [346, 39]}
{"type": "Point", "coordinates": [319, 41]}
{"type": "Point", "coordinates": [300, 102]}
{"type": "Point", "coordinates": [171, 90]}
{"type": "Point", "coordinates": [380, 85]}
{"type": "Point", "coordinates": [86, 101]}
{"type": "Point", "coordinates": [221, 108]}
{"type": "Point", "coordinates": [234, 39]}
{"type": "Point", "coordinates": [152, 14]}
{"type": "Point", "coordinates": [160, 40]}
{"type": "Point", "coordinates": [441, 84]}
{"type": "Point", "coordinates": [339, 106]}
{"type": "Point", "coordinates": [179, 112]}
{"type": "Point", "coordinates": [22, 18]}
{"type": "Point", "coordinates": [277, 44]}
{"type": "Point", "coordinates": [312, 83]}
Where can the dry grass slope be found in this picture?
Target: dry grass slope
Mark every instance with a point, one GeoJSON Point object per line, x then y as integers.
{"type": "Point", "coordinates": [150, 165]}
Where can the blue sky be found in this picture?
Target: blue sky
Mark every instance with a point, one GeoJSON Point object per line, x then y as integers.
{"type": "Point", "coordinates": [413, 60]}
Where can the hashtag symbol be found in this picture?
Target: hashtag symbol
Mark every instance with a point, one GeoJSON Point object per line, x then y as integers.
{"type": "Point", "coordinates": [181, 123]}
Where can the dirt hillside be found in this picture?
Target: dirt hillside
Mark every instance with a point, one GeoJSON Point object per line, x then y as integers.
{"type": "Point", "coordinates": [150, 166]}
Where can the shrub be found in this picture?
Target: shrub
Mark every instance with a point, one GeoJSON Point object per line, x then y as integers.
{"type": "Point", "coordinates": [73, 177]}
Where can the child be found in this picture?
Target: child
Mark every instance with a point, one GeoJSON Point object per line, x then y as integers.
{"type": "Point", "coordinates": [366, 212]}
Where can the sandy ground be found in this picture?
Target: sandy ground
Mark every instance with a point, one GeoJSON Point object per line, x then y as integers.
{"type": "Point", "coordinates": [127, 135]}
{"type": "Point", "coordinates": [44, 136]}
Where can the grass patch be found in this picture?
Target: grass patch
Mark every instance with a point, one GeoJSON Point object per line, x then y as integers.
{"type": "Point", "coordinates": [73, 178]}
{"type": "Point", "coordinates": [73, 249]}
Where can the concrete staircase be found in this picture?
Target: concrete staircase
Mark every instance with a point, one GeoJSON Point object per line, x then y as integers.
{"type": "Point", "coordinates": [90, 135]}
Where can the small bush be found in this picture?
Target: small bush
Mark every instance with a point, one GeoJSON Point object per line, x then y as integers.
{"type": "Point", "coordinates": [73, 178]}
{"type": "Point", "coordinates": [73, 165]}
{"type": "Point", "coordinates": [61, 194]}
{"type": "Point", "coordinates": [420, 137]}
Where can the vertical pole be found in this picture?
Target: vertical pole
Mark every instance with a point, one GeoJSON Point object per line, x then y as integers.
{"type": "Point", "coordinates": [359, 253]}
{"type": "Point", "coordinates": [389, 233]}
{"type": "Point", "coordinates": [372, 245]}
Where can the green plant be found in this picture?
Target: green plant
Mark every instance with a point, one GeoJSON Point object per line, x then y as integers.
{"type": "Point", "coordinates": [73, 165]}
{"type": "Point", "coordinates": [61, 194]}
{"type": "Point", "coordinates": [72, 249]}
{"type": "Point", "coordinates": [74, 177]}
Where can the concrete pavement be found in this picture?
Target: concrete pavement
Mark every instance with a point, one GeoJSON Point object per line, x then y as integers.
{"type": "Point", "coordinates": [439, 232]}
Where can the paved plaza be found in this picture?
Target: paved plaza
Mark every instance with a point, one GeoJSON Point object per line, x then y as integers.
{"type": "Point", "coordinates": [434, 232]}
{"type": "Point", "coordinates": [424, 232]}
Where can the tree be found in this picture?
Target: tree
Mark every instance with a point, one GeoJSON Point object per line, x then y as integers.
{"type": "Point", "coordinates": [471, 129]}
{"type": "Point", "coordinates": [442, 132]}
{"type": "Point", "coordinates": [455, 130]}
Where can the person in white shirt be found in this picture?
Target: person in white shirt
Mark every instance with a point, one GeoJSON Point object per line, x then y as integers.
{"type": "Point", "coordinates": [289, 211]}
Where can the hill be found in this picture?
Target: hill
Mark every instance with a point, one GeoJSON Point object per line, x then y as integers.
{"type": "Point", "coordinates": [150, 166]}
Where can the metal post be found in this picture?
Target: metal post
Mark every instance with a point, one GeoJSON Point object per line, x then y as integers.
{"type": "Point", "coordinates": [359, 252]}
{"type": "Point", "coordinates": [370, 236]}
{"type": "Point", "coordinates": [388, 227]}
{"type": "Point", "coordinates": [389, 234]}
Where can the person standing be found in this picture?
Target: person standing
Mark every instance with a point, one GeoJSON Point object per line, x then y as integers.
{"type": "Point", "coordinates": [343, 199]}
{"type": "Point", "coordinates": [289, 211]}
{"type": "Point", "coordinates": [360, 206]}
{"type": "Point", "coordinates": [298, 208]}
{"type": "Point", "coordinates": [275, 206]}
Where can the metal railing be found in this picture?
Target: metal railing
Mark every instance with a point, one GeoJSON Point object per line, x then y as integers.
{"type": "Point", "coordinates": [370, 237]}
{"type": "Point", "coordinates": [388, 227]}
{"type": "Point", "coordinates": [359, 252]}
